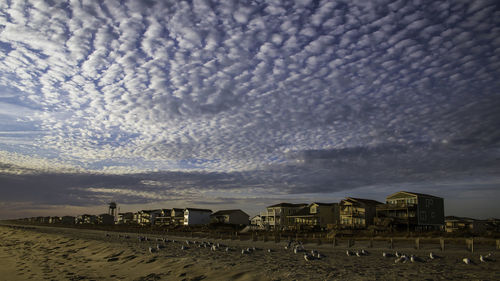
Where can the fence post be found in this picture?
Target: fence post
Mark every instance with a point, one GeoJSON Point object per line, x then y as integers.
{"type": "Point", "coordinates": [498, 244]}
{"type": "Point", "coordinates": [334, 241]}
{"type": "Point", "coordinates": [391, 243]}
{"type": "Point", "coordinates": [441, 242]}
{"type": "Point", "coordinates": [417, 243]}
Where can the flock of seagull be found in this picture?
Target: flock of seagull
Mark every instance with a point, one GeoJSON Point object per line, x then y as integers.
{"type": "Point", "coordinates": [295, 246]}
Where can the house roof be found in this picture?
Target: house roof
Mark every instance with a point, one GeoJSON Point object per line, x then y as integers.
{"type": "Point", "coordinates": [365, 201]}
{"type": "Point", "coordinates": [287, 205]}
{"type": "Point", "coordinates": [306, 211]}
{"type": "Point", "coordinates": [199, 210]}
{"type": "Point", "coordinates": [324, 204]}
{"type": "Point", "coordinates": [228, 212]}
{"type": "Point", "coordinates": [414, 194]}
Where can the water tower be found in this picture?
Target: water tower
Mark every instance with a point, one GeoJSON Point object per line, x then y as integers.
{"type": "Point", "coordinates": [112, 209]}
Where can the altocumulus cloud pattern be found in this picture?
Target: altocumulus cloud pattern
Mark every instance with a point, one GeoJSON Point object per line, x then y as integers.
{"type": "Point", "coordinates": [157, 100]}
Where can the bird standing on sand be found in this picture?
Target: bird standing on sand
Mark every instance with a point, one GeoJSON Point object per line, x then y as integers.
{"type": "Point", "coordinates": [466, 260]}
{"type": "Point", "coordinates": [482, 259]}
{"type": "Point", "coordinates": [432, 256]}
{"type": "Point", "coordinates": [348, 253]}
{"type": "Point", "coordinates": [151, 250]}
{"type": "Point", "coordinates": [244, 252]}
{"type": "Point", "coordinates": [307, 257]}
{"type": "Point", "coordinates": [269, 250]}
{"type": "Point", "coordinates": [183, 248]}
{"type": "Point", "coordinates": [412, 258]}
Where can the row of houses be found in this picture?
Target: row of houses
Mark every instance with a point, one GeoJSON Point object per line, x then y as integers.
{"type": "Point", "coordinates": [402, 209]}
{"type": "Point", "coordinates": [158, 217]}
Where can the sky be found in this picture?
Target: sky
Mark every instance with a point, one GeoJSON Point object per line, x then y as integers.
{"type": "Point", "coordinates": [244, 104]}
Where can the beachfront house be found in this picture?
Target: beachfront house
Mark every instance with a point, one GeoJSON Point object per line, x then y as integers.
{"type": "Point", "coordinates": [54, 219]}
{"type": "Point", "coordinates": [177, 216]}
{"type": "Point", "coordinates": [230, 217]}
{"type": "Point", "coordinates": [147, 217]}
{"type": "Point", "coordinates": [164, 217]}
{"type": "Point", "coordinates": [256, 221]}
{"type": "Point", "coordinates": [125, 218]}
{"type": "Point", "coordinates": [411, 211]}
{"type": "Point", "coordinates": [193, 216]}
{"type": "Point", "coordinates": [277, 216]}
{"type": "Point", "coordinates": [86, 219]}
{"type": "Point", "coordinates": [465, 225]}
{"type": "Point", "coordinates": [68, 220]}
{"type": "Point", "coordinates": [316, 215]}
{"type": "Point", "coordinates": [357, 212]}
{"type": "Point", "coordinates": [106, 219]}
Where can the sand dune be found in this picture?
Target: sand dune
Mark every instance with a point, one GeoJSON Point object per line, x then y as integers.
{"type": "Point", "coordinates": [71, 254]}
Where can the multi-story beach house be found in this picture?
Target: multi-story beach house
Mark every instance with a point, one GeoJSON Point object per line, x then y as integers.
{"type": "Point", "coordinates": [68, 220]}
{"type": "Point", "coordinates": [256, 221]}
{"type": "Point", "coordinates": [86, 219]}
{"type": "Point", "coordinates": [230, 217]}
{"type": "Point", "coordinates": [412, 211]}
{"type": "Point", "coordinates": [465, 225]}
{"type": "Point", "coordinates": [357, 212]}
{"type": "Point", "coordinates": [164, 217]}
{"type": "Point", "coordinates": [106, 219]}
{"type": "Point", "coordinates": [194, 216]}
{"type": "Point", "coordinates": [177, 216]}
{"type": "Point", "coordinates": [125, 218]}
{"type": "Point", "coordinates": [147, 217]}
{"type": "Point", "coordinates": [316, 215]}
{"type": "Point", "coordinates": [277, 216]}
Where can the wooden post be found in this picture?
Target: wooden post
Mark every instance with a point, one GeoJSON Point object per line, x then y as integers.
{"type": "Point", "coordinates": [472, 244]}
{"type": "Point", "coordinates": [334, 241]}
{"type": "Point", "coordinates": [441, 243]}
{"type": "Point", "coordinates": [417, 243]}
{"type": "Point", "coordinates": [371, 243]}
{"type": "Point", "coordinates": [498, 244]}
{"type": "Point", "coordinates": [391, 243]}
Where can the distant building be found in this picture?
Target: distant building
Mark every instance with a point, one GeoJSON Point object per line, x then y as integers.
{"type": "Point", "coordinates": [68, 220]}
{"type": "Point", "coordinates": [147, 217]}
{"type": "Point", "coordinates": [357, 212]}
{"type": "Point", "coordinates": [177, 217]}
{"type": "Point", "coordinates": [164, 218]}
{"type": "Point", "coordinates": [86, 219]}
{"type": "Point", "coordinates": [230, 217]}
{"type": "Point", "coordinates": [465, 225]}
{"type": "Point", "coordinates": [316, 215]}
{"type": "Point", "coordinates": [193, 216]}
{"type": "Point", "coordinates": [106, 219]}
{"type": "Point", "coordinates": [277, 216]}
{"type": "Point", "coordinates": [55, 219]}
{"type": "Point", "coordinates": [256, 221]}
{"type": "Point", "coordinates": [412, 211]}
{"type": "Point", "coordinates": [125, 218]}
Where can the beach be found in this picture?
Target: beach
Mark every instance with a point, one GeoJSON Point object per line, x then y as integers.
{"type": "Point", "coordinates": [57, 253]}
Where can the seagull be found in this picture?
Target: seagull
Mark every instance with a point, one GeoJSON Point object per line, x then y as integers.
{"type": "Point", "coordinates": [227, 249]}
{"type": "Point", "coordinates": [432, 256]}
{"type": "Point", "coordinates": [386, 255]}
{"type": "Point", "coordinates": [158, 246]}
{"type": "Point", "coordinates": [269, 250]}
{"type": "Point", "coordinates": [398, 254]}
{"type": "Point", "coordinates": [319, 256]}
{"type": "Point", "coordinates": [348, 253]}
{"type": "Point", "coordinates": [214, 248]}
{"type": "Point", "coordinates": [402, 258]}
{"type": "Point", "coordinates": [364, 252]}
{"type": "Point", "coordinates": [151, 250]}
{"type": "Point", "coordinates": [183, 247]}
{"type": "Point", "coordinates": [412, 258]}
{"type": "Point", "coordinates": [295, 250]}
{"type": "Point", "coordinates": [307, 257]}
{"type": "Point", "coordinates": [482, 259]}
{"type": "Point", "coordinates": [358, 254]}
{"type": "Point", "coordinates": [466, 260]}
{"type": "Point", "coordinates": [243, 251]}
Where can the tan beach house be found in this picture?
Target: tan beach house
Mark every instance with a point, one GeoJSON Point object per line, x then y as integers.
{"type": "Point", "coordinates": [277, 216]}
{"type": "Point", "coordinates": [357, 212]}
{"type": "Point", "coordinates": [316, 215]}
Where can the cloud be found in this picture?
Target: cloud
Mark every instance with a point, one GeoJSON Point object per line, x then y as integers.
{"type": "Point", "coordinates": [227, 87]}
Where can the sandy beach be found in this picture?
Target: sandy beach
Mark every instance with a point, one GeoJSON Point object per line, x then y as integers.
{"type": "Point", "coordinates": [52, 253]}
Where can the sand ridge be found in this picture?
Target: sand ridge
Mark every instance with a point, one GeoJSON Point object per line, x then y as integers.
{"type": "Point", "coordinates": [76, 254]}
